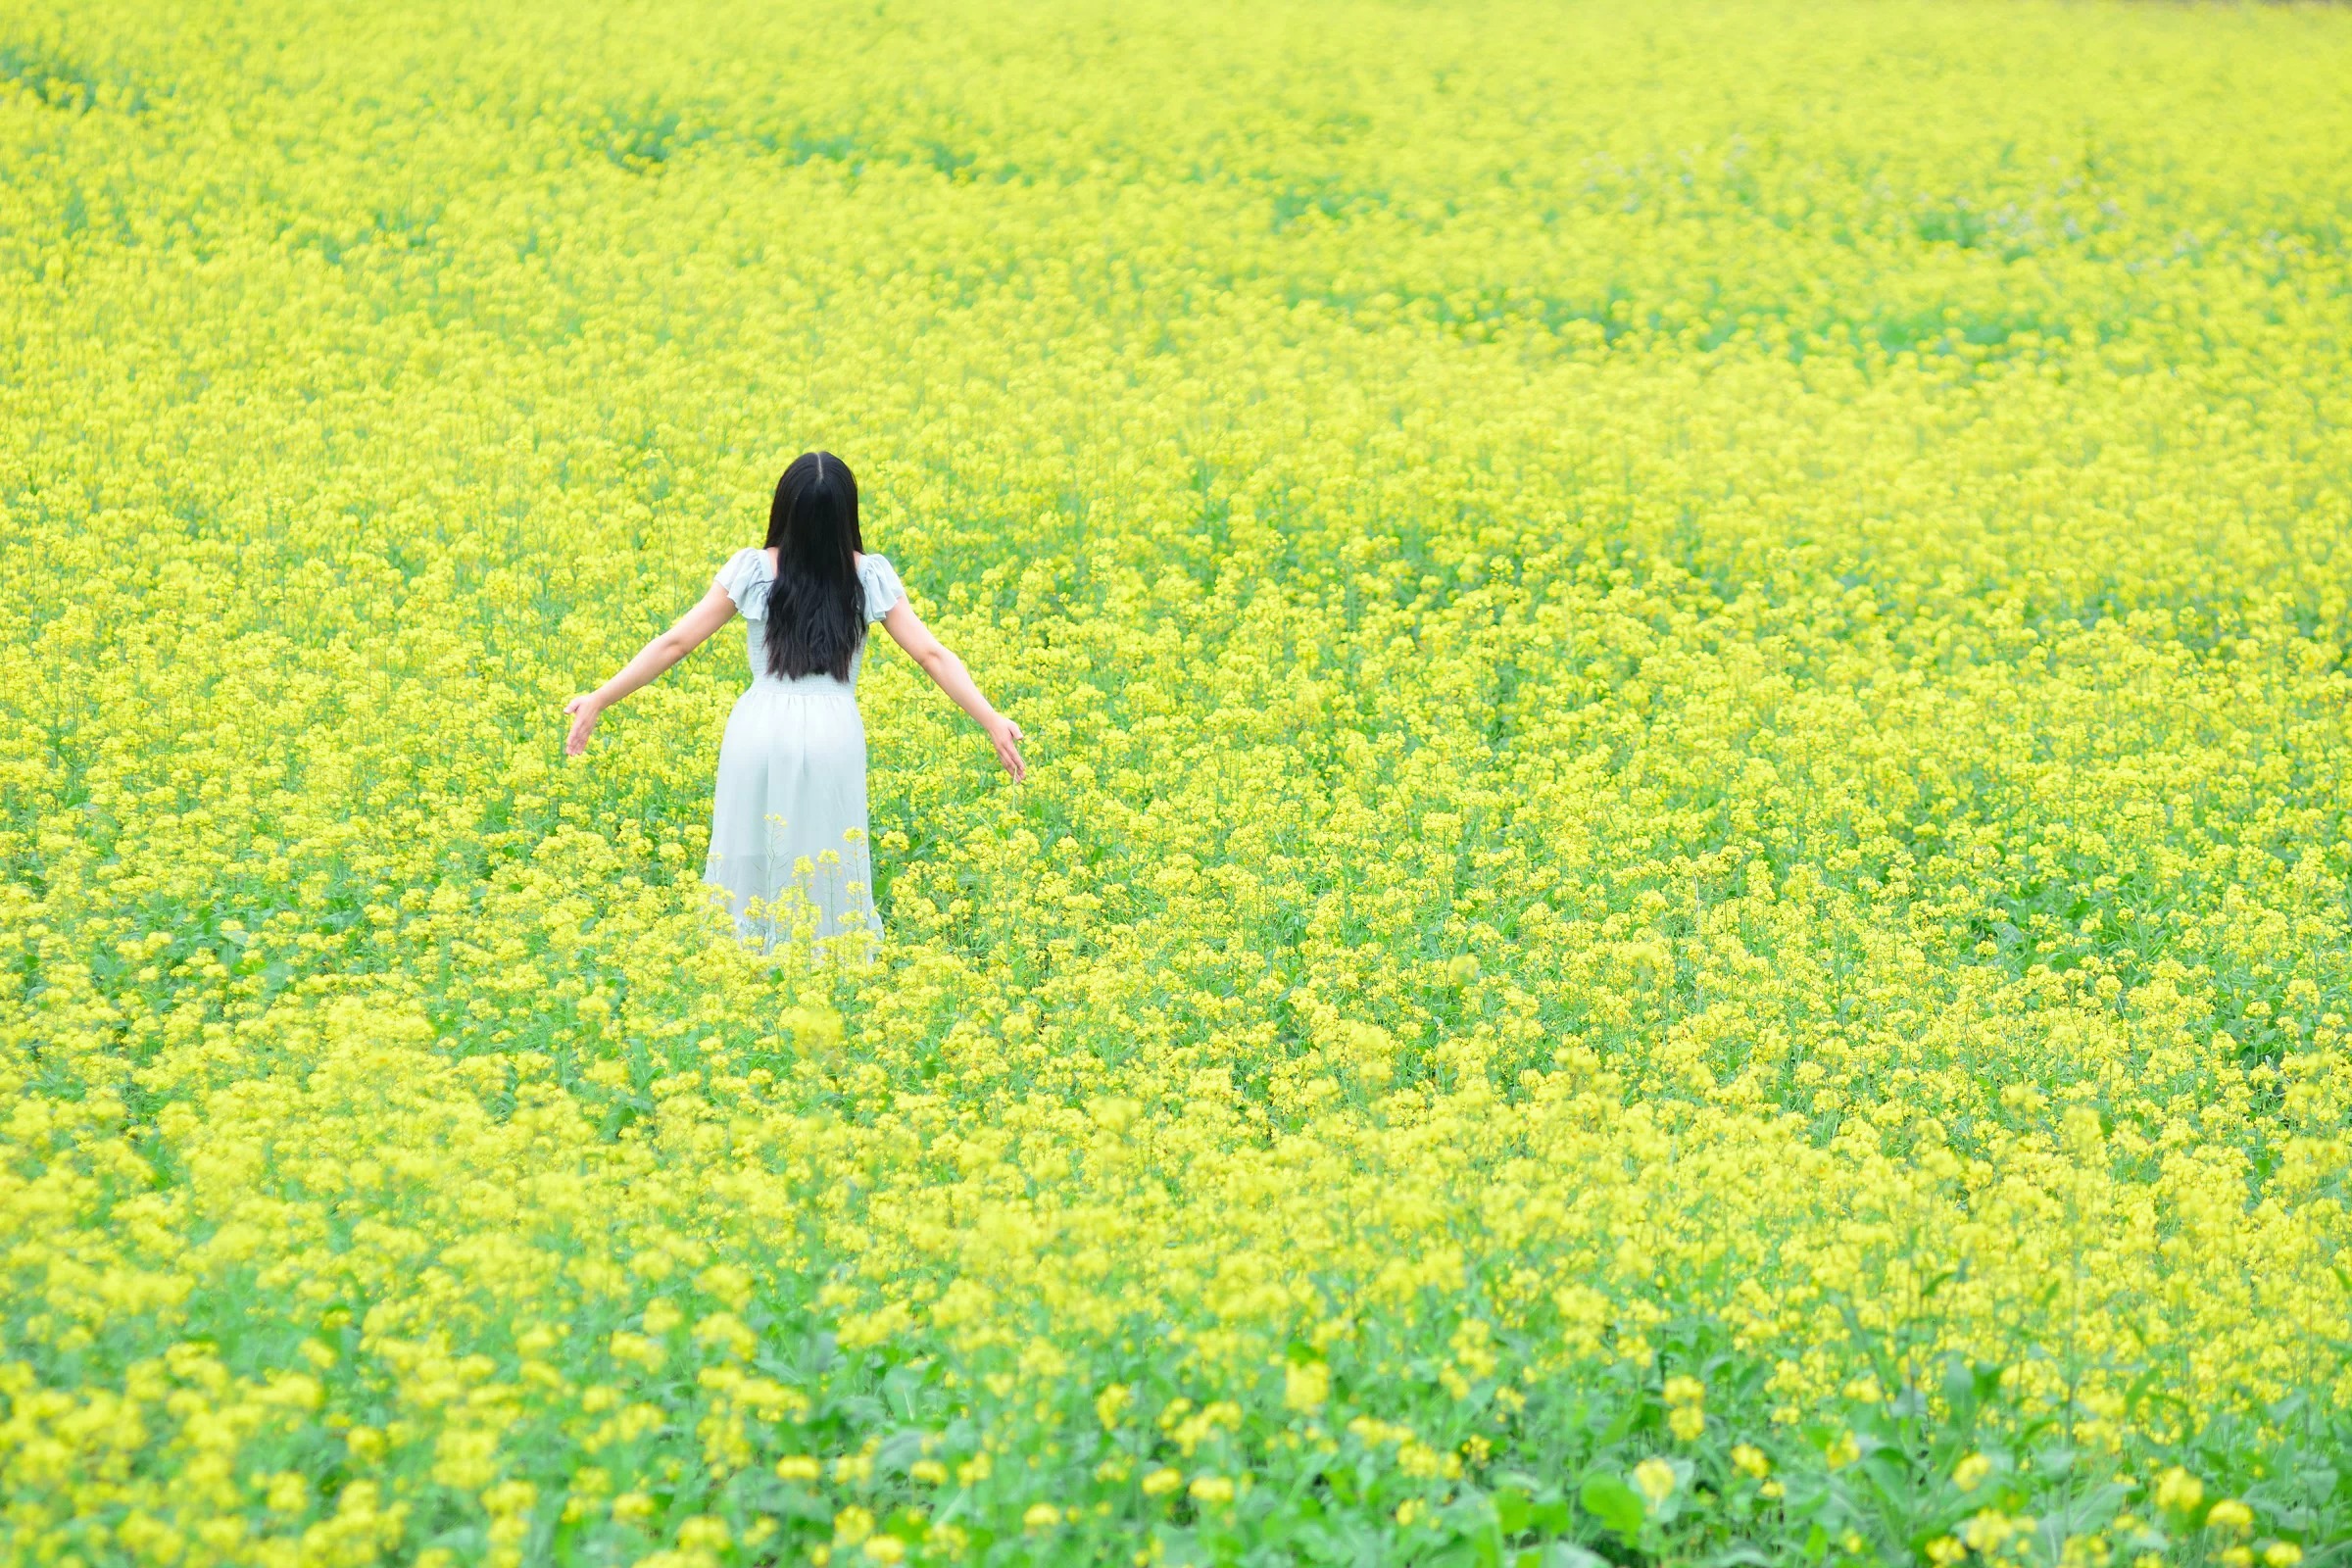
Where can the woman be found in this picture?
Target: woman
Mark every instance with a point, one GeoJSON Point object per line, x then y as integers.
{"type": "Point", "coordinates": [788, 823]}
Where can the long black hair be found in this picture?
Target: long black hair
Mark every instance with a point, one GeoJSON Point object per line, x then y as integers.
{"type": "Point", "coordinates": [817, 609]}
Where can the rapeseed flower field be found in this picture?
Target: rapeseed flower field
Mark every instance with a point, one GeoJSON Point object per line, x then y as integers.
{"type": "Point", "coordinates": [1684, 894]}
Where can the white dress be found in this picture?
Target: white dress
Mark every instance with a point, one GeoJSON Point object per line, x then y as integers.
{"type": "Point", "coordinates": [787, 831]}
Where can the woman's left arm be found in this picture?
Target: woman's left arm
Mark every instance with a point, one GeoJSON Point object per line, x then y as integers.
{"type": "Point", "coordinates": [947, 671]}
{"type": "Point", "coordinates": [694, 628]}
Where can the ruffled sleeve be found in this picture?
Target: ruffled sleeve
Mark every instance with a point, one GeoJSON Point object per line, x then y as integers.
{"type": "Point", "coordinates": [746, 579]}
{"type": "Point", "coordinates": [883, 590]}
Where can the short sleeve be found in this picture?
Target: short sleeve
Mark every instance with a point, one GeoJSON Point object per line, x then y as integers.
{"type": "Point", "coordinates": [746, 579]}
{"type": "Point", "coordinates": [883, 590]}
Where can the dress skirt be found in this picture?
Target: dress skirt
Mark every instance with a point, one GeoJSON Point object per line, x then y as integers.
{"type": "Point", "coordinates": [788, 822]}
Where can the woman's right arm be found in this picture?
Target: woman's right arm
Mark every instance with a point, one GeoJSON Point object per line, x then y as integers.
{"type": "Point", "coordinates": [947, 671]}
{"type": "Point", "coordinates": [694, 628]}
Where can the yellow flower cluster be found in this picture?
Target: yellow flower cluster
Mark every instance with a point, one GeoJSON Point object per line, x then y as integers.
{"type": "Point", "coordinates": [1685, 879]}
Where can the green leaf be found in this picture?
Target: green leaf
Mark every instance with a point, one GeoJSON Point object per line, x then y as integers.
{"type": "Point", "coordinates": [1514, 1511]}
{"type": "Point", "coordinates": [1567, 1554]}
{"type": "Point", "coordinates": [1615, 1505]}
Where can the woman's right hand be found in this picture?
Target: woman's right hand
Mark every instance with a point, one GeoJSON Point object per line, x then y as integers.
{"type": "Point", "coordinates": [585, 710]}
{"type": "Point", "coordinates": [1008, 735]}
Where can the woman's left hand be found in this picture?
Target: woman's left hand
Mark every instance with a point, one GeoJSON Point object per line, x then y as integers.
{"type": "Point", "coordinates": [585, 710]}
{"type": "Point", "coordinates": [1007, 736]}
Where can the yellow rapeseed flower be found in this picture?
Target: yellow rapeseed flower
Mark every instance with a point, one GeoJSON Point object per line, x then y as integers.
{"type": "Point", "coordinates": [2179, 1491]}
{"type": "Point", "coordinates": [2231, 1515]}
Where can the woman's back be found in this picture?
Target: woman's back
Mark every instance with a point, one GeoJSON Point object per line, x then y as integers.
{"type": "Point", "coordinates": [750, 574]}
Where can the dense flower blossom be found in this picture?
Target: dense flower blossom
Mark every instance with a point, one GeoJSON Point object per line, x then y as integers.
{"type": "Point", "coordinates": [1685, 883]}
